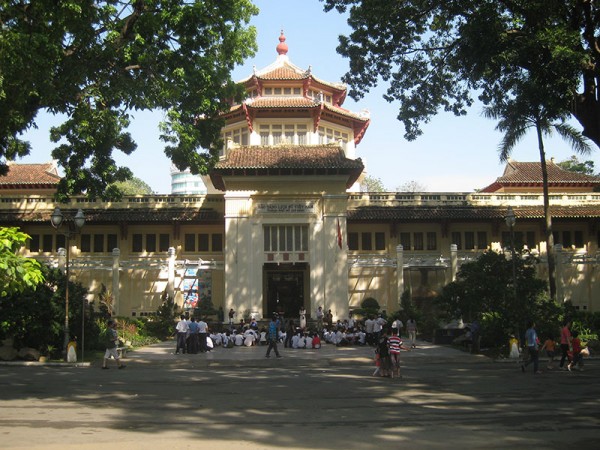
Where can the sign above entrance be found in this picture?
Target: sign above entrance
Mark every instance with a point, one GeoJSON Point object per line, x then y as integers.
{"type": "Point", "coordinates": [285, 208]}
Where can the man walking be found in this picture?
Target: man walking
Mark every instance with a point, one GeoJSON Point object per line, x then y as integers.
{"type": "Point", "coordinates": [274, 326]}
{"type": "Point", "coordinates": [111, 345]}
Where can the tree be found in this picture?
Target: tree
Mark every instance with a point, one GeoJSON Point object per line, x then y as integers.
{"type": "Point", "coordinates": [372, 184]}
{"type": "Point", "coordinates": [412, 186]}
{"type": "Point", "coordinates": [17, 272]}
{"type": "Point", "coordinates": [515, 117]}
{"type": "Point", "coordinates": [133, 186]}
{"type": "Point", "coordinates": [95, 62]}
{"type": "Point", "coordinates": [574, 165]}
{"type": "Point", "coordinates": [484, 288]}
{"type": "Point", "coordinates": [439, 54]}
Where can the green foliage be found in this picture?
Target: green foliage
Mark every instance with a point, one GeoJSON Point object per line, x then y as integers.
{"type": "Point", "coordinates": [574, 165]}
{"type": "Point", "coordinates": [97, 62]}
{"type": "Point", "coordinates": [161, 325]}
{"type": "Point", "coordinates": [368, 307]}
{"type": "Point", "coordinates": [372, 184]}
{"type": "Point", "coordinates": [17, 273]}
{"type": "Point", "coordinates": [484, 289]}
{"type": "Point", "coordinates": [437, 55]}
{"type": "Point", "coordinates": [133, 186]}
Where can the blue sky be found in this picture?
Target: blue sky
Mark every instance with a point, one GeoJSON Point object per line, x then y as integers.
{"type": "Point", "coordinates": [455, 154]}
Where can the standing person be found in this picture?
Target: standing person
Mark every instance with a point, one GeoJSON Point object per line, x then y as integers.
{"type": "Point", "coordinates": [193, 338]}
{"type": "Point", "coordinates": [302, 318]}
{"type": "Point", "coordinates": [397, 325]}
{"type": "Point", "coordinates": [111, 345]}
{"type": "Point", "coordinates": [369, 326]}
{"type": "Point", "coordinates": [231, 314]}
{"type": "Point", "coordinates": [182, 329]}
{"type": "Point", "coordinates": [385, 361]}
{"type": "Point", "coordinates": [274, 326]}
{"type": "Point", "coordinates": [577, 357]}
{"type": "Point", "coordinates": [411, 328]}
{"type": "Point", "coordinates": [320, 316]}
{"type": "Point", "coordinates": [550, 348]}
{"type": "Point", "coordinates": [565, 342]}
{"type": "Point", "coordinates": [289, 334]}
{"type": "Point", "coordinates": [329, 318]}
{"type": "Point", "coordinates": [202, 334]}
{"type": "Point", "coordinates": [532, 342]}
{"type": "Point", "coordinates": [395, 344]}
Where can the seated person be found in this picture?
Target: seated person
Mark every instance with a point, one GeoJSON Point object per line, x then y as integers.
{"type": "Point", "coordinates": [296, 341]}
{"type": "Point", "coordinates": [464, 339]}
{"type": "Point", "coordinates": [238, 339]}
{"type": "Point", "coordinates": [308, 340]}
{"type": "Point", "coordinates": [249, 337]}
{"type": "Point", "coordinates": [316, 341]}
{"type": "Point", "coordinates": [263, 336]}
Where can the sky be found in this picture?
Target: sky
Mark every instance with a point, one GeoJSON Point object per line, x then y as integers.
{"type": "Point", "coordinates": [454, 154]}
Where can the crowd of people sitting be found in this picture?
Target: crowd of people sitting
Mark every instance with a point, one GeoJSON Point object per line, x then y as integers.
{"type": "Point", "coordinates": [194, 335]}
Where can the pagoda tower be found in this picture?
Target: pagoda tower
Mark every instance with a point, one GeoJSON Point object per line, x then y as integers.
{"type": "Point", "coordinates": [286, 169]}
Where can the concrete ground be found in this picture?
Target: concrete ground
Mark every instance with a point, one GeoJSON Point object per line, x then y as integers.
{"type": "Point", "coordinates": [309, 399]}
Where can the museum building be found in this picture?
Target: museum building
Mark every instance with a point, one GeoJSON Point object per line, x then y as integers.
{"type": "Point", "coordinates": [284, 225]}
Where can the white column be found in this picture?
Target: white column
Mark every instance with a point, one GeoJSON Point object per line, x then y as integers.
{"type": "Point", "coordinates": [558, 260]}
{"type": "Point", "coordinates": [171, 273]}
{"type": "Point", "coordinates": [400, 273]}
{"type": "Point", "coordinates": [453, 261]}
{"type": "Point", "coordinates": [116, 254]}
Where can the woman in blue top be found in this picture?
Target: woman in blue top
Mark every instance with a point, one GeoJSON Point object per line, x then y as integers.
{"type": "Point", "coordinates": [532, 341]}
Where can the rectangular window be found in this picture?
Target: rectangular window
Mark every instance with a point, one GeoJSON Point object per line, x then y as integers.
{"type": "Point", "coordinates": [98, 243]}
{"type": "Point", "coordinates": [506, 240]}
{"type": "Point", "coordinates": [405, 241]}
{"type": "Point", "coordinates": [353, 241]}
{"type": "Point", "coordinates": [34, 243]}
{"type": "Point", "coordinates": [277, 133]}
{"type": "Point", "coordinates": [285, 238]}
{"type": "Point", "coordinates": [189, 242]}
{"type": "Point", "coordinates": [217, 242]}
{"type": "Point", "coordinates": [431, 241]}
{"type": "Point", "coordinates": [111, 241]}
{"type": "Point", "coordinates": [482, 242]}
{"type": "Point", "coordinates": [289, 238]}
{"type": "Point", "coordinates": [163, 242]}
{"type": "Point", "coordinates": [203, 242]}
{"type": "Point", "coordinates": [137, 243]}
{"type": "Point", "coordinates": [281, 246]}
{"type": "Point", "coordinates": [531, 239]}
{"type": "Point", "coordinates": [151, 242]}
{"type": "Point", "coordinates": [47, 242]}
{"type": "Point", "coordinates": [86, 243]}
{"type": "Point", "coordinates": [418, 241]}
{"type": "Point", "coordinates": [578, 239]}
{"type": "Point", "coordinates": [267, 239]}
{"type": "Point", "coordinates": [366, 241]}
{"type": "Point", "coordinates": [566, 239]}
{"type": "Point", "coordinates": [379, 241]}
{"type": "Point", "coordinates": [61, 241]}
{"type": "Point", "coordinates": [469, 240]}
{"type": "Point", "coordinates": [457, 239]}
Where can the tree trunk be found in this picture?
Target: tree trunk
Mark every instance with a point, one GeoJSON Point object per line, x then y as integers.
{"type": "Point", "coordinates": [548, 217]}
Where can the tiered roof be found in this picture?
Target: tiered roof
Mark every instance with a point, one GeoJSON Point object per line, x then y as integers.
{"type": "Point", "coordinates": [286, 160]}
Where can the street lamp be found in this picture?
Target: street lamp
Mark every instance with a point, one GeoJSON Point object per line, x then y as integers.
{"type": "Point", "coordinates": [56, 219]}
{"type": "Point", "coordinates": [511, 220]}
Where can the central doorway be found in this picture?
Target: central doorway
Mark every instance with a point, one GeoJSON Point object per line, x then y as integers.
{"type": "Point", "coordinates": [284, 288]}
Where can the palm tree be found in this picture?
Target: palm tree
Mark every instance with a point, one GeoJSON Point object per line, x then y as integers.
{"type": "Point", "coordinates": [515, 117]}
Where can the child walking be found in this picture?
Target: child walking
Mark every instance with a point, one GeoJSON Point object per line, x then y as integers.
{"type": "Point", "coordinates": [550, 348]}
{"type": "Point", "coordinates": [577, 357]}
{"type": "Point", "coordinates": [395, 344]}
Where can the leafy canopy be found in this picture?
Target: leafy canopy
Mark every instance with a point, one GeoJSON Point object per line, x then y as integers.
{"type": "Point", "coordinates": [97, 62]}
{"type": "Point", "coordinates": [439, 54]}
{"type": "Point", "coordinates": [17, 273]}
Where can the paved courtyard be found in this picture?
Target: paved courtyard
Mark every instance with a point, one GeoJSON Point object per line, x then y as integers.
{"type": "Point", "coordinates": [323, 399]}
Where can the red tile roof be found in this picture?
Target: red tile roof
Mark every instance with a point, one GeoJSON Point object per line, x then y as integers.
{"type": "Point", "coordinates": [470, 213]}
{"type": "Point", "coordinates": [286, 160]}
{"type": "Point", "coordinates": [30, 175]}
{"type": "Point", "coordinates": [530, 173]}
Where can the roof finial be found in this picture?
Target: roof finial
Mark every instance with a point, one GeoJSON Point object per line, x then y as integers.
{"type": "Point", "coordinates": [282, 47]}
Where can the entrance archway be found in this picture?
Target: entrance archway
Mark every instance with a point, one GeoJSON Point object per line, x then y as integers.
{"type": "Point", "coordinates": [284, 288]}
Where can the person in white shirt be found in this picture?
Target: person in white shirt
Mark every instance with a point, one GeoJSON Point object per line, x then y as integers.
{"type": "Point", "coordinates": [398, 325]}
{"type": "Point", "coordinates": [182, 330]}
{"type": "Point", "coordinates": [249, 337]}
{"type": "Point", "coordinates": [362, 337]}
{"type": "Point", "coordinates": [296, 340]}
{"type": "Point", "coordinates": [238, 339]}
{"type": "Point", "coordinates": [309, 341]}
{"type": "Point", "coordinates": [263, 336]}
{"type": "Point", "coordinates": [369, 325]}
{"type": "Point", "coordinates": [202, 335]}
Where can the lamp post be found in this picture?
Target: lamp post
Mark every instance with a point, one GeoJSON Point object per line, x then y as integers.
{"type": "Point", "coordinates": [57, 219]}
{"type": "Point", "coordinates": [511, 220]}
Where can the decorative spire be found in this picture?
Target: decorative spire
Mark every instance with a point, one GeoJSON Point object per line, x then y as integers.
{"type": "Point", "coordinates": [282, 47]}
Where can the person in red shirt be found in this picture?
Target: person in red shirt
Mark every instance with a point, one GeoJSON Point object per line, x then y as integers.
{"type": "Point", "coordinates": [395, 344]}
{"type": "Point", "coordinates": [565, 342]}
{"type": "Point", "coordinates": [577, 358]}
